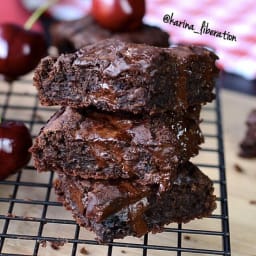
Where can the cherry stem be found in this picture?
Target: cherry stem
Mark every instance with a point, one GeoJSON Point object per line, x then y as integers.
{"type": "Point", "coordinates": [37, 13]}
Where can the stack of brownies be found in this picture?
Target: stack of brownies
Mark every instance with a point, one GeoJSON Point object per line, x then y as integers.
{"type": "Point", "coordinates": [122, 141]}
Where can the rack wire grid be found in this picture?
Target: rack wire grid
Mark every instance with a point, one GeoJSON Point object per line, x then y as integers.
{"type": "Point", "coordinates": [32, 222]}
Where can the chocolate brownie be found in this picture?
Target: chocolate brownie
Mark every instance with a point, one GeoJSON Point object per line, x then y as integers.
{"type": "Point", "coordinates": [115, 209]}
{"type": "Point", "coordinates": [101, 145]}
{"type": "Point", "coordinates": [248, 145]}
{"type": "Point", "coordinates": [116, 76]}
{"type": "Point", "coordinates": [69, 36]}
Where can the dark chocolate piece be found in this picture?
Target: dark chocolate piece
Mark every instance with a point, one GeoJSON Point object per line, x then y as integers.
{"type": "Point", "coordinates": [248, 145]}
{"type": "Point", "coordinates": [69, 36]}
{"type": "Point", "coordinates": [115, 209]}
{"type": "Point", "coordinates": [99, 145]}
{"type": "Point", "coordinates": [116, 76]}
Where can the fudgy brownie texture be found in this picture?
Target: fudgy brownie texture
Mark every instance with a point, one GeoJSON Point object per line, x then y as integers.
{"type": "Point", "coordinates": [115, 209]}
{"type": "Point", "coordinates": [91, 144]}
{"type": "Point", "coordinates": [117, 76]}
{"type": "Point", "coordinates": [248, 145]}
{"type": "Point", "coordinates": [69, 36]}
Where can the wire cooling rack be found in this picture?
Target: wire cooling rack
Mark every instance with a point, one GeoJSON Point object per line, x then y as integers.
{"type": "Point", "coordinates": [32, 222]}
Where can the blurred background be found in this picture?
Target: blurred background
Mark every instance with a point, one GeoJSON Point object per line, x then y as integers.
{"type": "Point", "coordinates": [237, 18]}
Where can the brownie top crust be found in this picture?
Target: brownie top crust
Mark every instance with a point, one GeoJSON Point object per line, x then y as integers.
{"type": "Point", "coordinates": [113, 57]}
{"type": "Point", "coordinates": [116, 76]}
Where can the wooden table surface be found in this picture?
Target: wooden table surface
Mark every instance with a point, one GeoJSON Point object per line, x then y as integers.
{"type": "Point", "coordinates": [241, 185]}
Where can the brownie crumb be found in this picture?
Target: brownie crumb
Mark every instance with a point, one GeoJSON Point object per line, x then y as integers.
{"type": "Point", "coordinates": [252, 201]}
{"type": "Point", "coordinates": [186, 237]}
{"type": "Point", "coordinates": [28, 218]}
{"type": "Point", "coordinates": [43, 243]}
{"type": "Point", "coordinates": [57, 244]}
{"type": "Point", "coordinates": [238, 168]}
{"type": "Point", "coordinates": [123, 251]}
{"type": "Point", "coordinates": [11, 215]}
{"type": "Point", "coordinates": [84, 251]}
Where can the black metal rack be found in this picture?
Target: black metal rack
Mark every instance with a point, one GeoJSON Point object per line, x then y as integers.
{"type": "Point", "coordinates": [32, 222]}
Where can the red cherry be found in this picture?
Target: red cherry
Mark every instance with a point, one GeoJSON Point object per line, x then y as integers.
{"type": "Point", "coordinates": [20, 50]}
{"type": "Point", "coordinates": [15, 140]}
{"type": "Point", "coordinates": [118, 15]}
